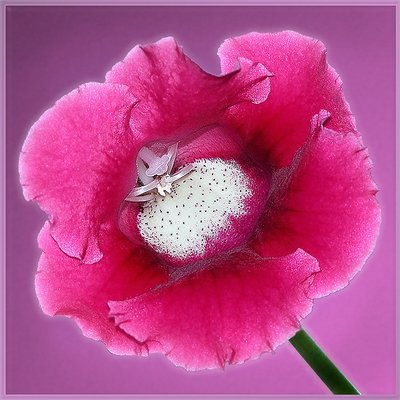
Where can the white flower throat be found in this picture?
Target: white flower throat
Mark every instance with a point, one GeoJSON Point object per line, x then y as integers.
{"type": "Point", "coordinates": [191, 211]}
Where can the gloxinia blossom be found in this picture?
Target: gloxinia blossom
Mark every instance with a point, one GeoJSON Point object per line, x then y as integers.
{"type": "Point", "coordinates": [196, 215]}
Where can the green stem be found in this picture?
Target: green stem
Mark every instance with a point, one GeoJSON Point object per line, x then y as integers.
{"type": "Point", "coordinates": [321, 364]}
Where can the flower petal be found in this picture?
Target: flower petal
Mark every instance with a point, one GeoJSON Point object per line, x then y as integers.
{"type": "Point", "coordinates": [176, 95]}
{"type": "Point", "coordinates": [232, 310]}
{"type": "Point", "coordinates": [65, 286]}
{"type": "Point", "coordinates": [325, 204]}
{"type": "Point", "coordinates": [214, 142]}
{"type": "Point", "coordinates": [302, 84]}
{"type": "Point", "coordinates": [77, 163]}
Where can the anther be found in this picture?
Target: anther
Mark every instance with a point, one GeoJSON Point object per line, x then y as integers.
{"type": "Point", "coordinates": [157, 178]}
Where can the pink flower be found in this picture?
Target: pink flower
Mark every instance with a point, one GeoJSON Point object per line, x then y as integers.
{"type": "Point", "coordinates": [199, 216]}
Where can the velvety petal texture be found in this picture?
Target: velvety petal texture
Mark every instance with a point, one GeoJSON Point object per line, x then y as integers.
{"type": "Point", "coordinates": [77, 163]}
{"type": "Point", "coordinates": [282, 209]}
{"type": "Point", "coordinates": [232, 310]}
{"type": "Point", "coordinates": [176, 96]}
{"type": "Point", "coordinates": [325, 204]}
{"type": "Point", "coordinates": [65, 286]}
{"type": "Point", "coordinates": [302, 85]}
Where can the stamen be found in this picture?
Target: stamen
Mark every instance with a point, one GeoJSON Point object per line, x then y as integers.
{"type": "Point", "coordinates": [141, 168]}
{"type": "Point", "coordinates": [182, 173]}
{"type": "Point", "coordinates": [172, 151]}
{"type": "Point", "coordinates": [138, 199]}
{"type": "Point", "coordinates": [156, 178]}
{"type": "Point", "coordinates": [144, 189]}
{"type": "Point", "coordinates": [157, 165]}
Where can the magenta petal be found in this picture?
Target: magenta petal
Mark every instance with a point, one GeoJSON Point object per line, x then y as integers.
{"type": "Point", "coordinates": [325, 204]}
{"type": "Point", "coordinates": [78, 164]}
{"type": "Point", "coordinates": [65, 286]}
{"type": "Point", "coordinates": [229, 312]}
{"type": "Point", "coordinates": [302, 84]}
{"type": "Point", "coordinates": [176, 96]}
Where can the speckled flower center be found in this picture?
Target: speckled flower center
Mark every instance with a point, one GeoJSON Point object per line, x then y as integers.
{"type": "Point", "coordinates": [199, 208]}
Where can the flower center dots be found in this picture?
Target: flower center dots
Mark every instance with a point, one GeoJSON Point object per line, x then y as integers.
{"type": "Point", "coordinates": [197, 213]}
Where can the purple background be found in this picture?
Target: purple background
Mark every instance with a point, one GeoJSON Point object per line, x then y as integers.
{"type": "Point", "coordinates": [51, 50]}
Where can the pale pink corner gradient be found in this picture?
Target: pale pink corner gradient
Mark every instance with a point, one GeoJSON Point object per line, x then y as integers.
{"type": "Point", "coordinates": [51, 51]}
